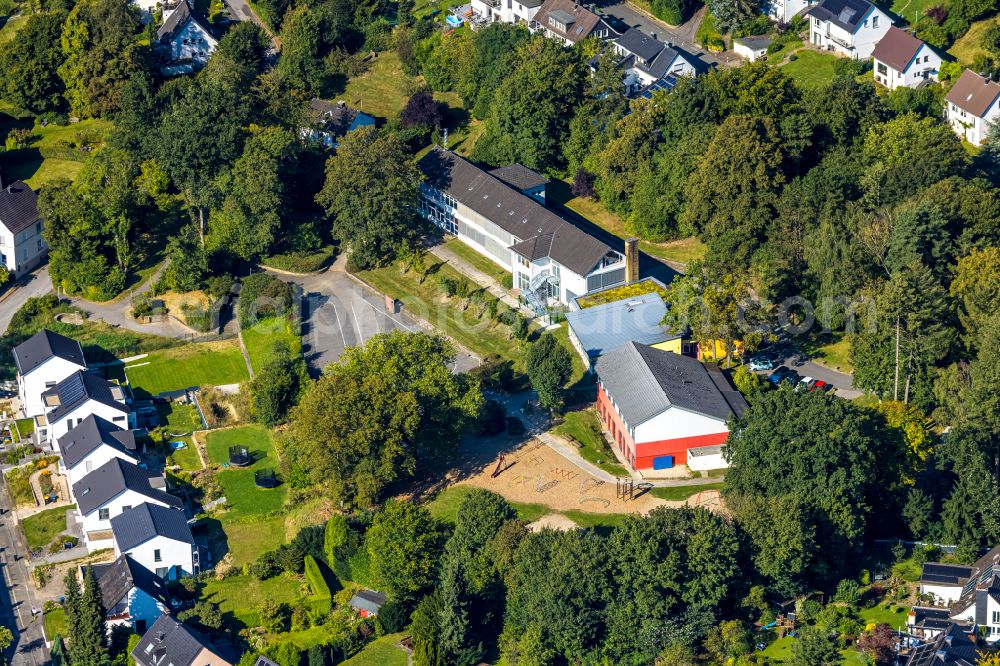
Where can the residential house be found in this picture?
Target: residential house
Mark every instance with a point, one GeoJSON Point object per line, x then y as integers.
{"type": "Point", "coordinates": [517, 12]}
{"type": "Point", "coordinates": [927, 623]}
{"type": "Point", "coordinates": [784, 11]}
{"type": "Point", "coordinates": [970, 595]}
{"type": "Point", "coordinates": [953, 647]}
{"type": "Point", "coordinates": [979, 605]}
{"type": "Point", "coordinates": [92, 443]}
{"type": "Point", "coordinates": [331, 122]}
{"type": "Point", "coordinates": [903, 60]}
{"type": "Point", "coordinates": [113, 489]}
{"type": "Point", "coordinates": [658, 407]}
{"type": "Point", "coordinates": [943, 583]}
{"type": "Point", "coordinates": [21, 244]}
{"type": "Point", "coordinates": [550, 259]}
{"type": "Point", "coordinates": [568, 22]}
{"type": "Point", "coordinates": [171, 643]}
{"type": "Point", "coordinates": [78, 396]}
{"type": "Point", "coordinates": [157, 537]}
{"type": "Point", "coordinates": [848, 27]}
{"type": "Point", "coordinates": [185, 42]}
{"type": "Point", "coordinates": [133, 596]}
{"type": "Point", "coordinates": [971, 107]}
{"type": "Point", "coordinates": [600, 329]}
{"type": "Point", "coordinates": [367, 603]}
{"type": "Point", "coordinates": [646, 60]}
{"type": "Point", "coordinates": [42, 361]}
{"type": "Point", "coordinates": [751, 48]}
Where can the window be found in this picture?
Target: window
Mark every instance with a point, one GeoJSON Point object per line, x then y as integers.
{"type": "Point", "coordinates": [996, 617]}
{"type": "Point", "coordinates": [523, 282]}
{"type": "Point", "coordinates": [874, 22]}
{"type": "Point", "coordinates": [118, 419]}
{"type": "Point", "coordinates": [90, 466]}
{"type": "Point", "coordinates": [162, 571]}
{"type": "Point", "coordinates": [156, 556]}
{"type": "Point", "coordinates": [103, 514]}
{"type": "Point", "coordinates": [38, 228]}
{"type": "Point", "coordinates": [126, 508]}
{"type": "Point", "coordinates": [524, 262]}
{"type": "Point", "coordinates": [49, 384]}
{"type": "Point", "coordinates": [39, 243]}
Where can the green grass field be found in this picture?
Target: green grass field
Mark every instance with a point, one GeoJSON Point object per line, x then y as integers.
{"type": "Point", "coordinates": [476, 260]}
{"type": "Point", "coordinates": [182, 419]}
{"type": "Point", "coordinates": [201, 364]}
{"type": "Point", "coordinates": [894, 616]}
{"type": "Point", "coordinates": [584, 428]}
{"type": "Point", "coordinates": [262, 336]}
{"type": "Point", "coordinates": [382, 91]}
{"type": "Point", "coordinates": [830, 350]}
{"type": "Point", "coordinates": [55, 623]}
{"type": "Point", "coordinates": [445, 506]}
{"type": "Point", "coordinates": [780, 652]}
{"type": "Point", "coordinates": [242, 494]}
{"type": "Point", "coordinates": [911, 10]}
{"type": "Point", "coordinates": [41, 528]}
{"type": "Point", "coordinates": [678, 493]}
{"type": "Point", "coordinates": [969, 45]}
{"type": "Point", "coordinates": [380, 652]}
{"type": "Point", "coordinates": [240, 595]}
{"type": "Point", "coordinates": [248, 541]}
{"type": "Point", "coordinates": [811, 69]}
{"type": "Point", "coordinates": [33, 169]}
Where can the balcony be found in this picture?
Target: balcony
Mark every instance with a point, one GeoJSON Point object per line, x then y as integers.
{"type": "Point", "coordinates": [841, 42]}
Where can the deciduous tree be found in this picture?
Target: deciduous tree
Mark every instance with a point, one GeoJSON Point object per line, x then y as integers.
{"type": "Point", "coordinates": [403, 544]}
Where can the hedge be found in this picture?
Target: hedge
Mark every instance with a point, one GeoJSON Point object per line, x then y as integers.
{"type": "Point", "coordinates": [315, 577]}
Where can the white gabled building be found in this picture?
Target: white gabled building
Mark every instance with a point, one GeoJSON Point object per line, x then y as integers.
{"type": "Point", "coordinates": [22, 246]}
{"type": "Point", "coordinates": [93, 443]}
{"type": "Point", "coordinates": [184, 42]}
{"type": "Point", "coordinates": [109, 491]}
{"type": "Point", "coordinates": [900, 59]}
{"type": "Point", "coordinates": [784, 11]}
{"type": "Point", "coordinates": [646, 60]}
{"type": "Point", "coordinates": [849, 27]}
{"type": "Point", "coordinates": [78, 396]}
{"type": "Point", "coordinates": [568, 21]}
{"type": "Point", "coordinates": [550, 259]}
{"type": "Point", "coordinates": [965, 595]}
{"type": "Point", "coordinates": [133, 596]}
{"type": "Point", "coordinates": [515, 12]}
{"type": "Point", "coordinates": [44, 360]}
{"type": "Point", "coordinates": [157, 537]}
{"type": "Point", "coordinates": [971, 107]}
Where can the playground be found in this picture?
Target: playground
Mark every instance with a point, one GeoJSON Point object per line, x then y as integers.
{"type": "Point", "coordinates": [534, 473]}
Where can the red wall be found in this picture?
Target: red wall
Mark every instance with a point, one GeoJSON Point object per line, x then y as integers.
{"type": "Point", "coordinates": [646, 451]}
{"type": "Point", "coordinates": [614, 426]}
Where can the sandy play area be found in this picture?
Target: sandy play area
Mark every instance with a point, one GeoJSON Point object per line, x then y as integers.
{"type": "Point", "coordinates": [534, 473]}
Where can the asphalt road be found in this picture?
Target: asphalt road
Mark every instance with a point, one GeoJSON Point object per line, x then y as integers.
{"type": "Point", "coordinates": [840, 381]}
{"type": "Point", "coordinates": [34, 284]}
{"type": "Point", "coordinates": [682, 35]}
{"type": "Point", "coordinates": [16, 600]}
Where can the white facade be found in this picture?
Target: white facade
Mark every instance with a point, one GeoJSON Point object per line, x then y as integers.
{"type": "Point", "coordinates": [24, 250]}
{"type": "Point", "coordinates": [505, 11]}
{"type": "Point", "coordinates": [59, 427]}
{"type": "Point", "coordinates": [991, 629]}
{"type": "Point", "coordinates": [137, 609]}
{"type": "Point", "coordinates": [167, 558]}
{"type": "Point", "coordinates": [972, 128]}
{"type": "Point", "coordinates": [924, 66]}
{"type": "Point", "coordinates": [99, 456]}
{"type": "Point", "coordinates": [192, 42]}
{"type": "Point", "coordinates": [31, 386]}
{"type": "Point", "coordinates": [858, 44]}
{"type": "Point", "coordinates": [751, 53]}
{"type": "Point", "coordinates": [785, 10]}
{"type": "Point", "coordinates": [97, 523]}
{"type": "Point", "coordinates": [701, 462]}
{"type": "Point", "coordinates": [677, 423]}
{"type": "Point", "coordinates": [943, 595]}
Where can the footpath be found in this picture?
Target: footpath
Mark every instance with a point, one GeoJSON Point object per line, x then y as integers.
{"type": "Point", "coordinates": [482, 279]}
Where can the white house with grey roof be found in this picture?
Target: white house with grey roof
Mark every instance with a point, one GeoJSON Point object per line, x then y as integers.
{"type": "Point", "coordinates": [157, 537]}
{"type": "Point", "coordinates": [78, 396]}
{"type": "Point", "coordinates": [133, 596]}
{"type": "Point", "coordinates": [784, 11]}
{"type": "Point", "coordinates": [92, 443]}
{"type": "Point", "coordinates": [646, 60]}
{"type": "Point", "coordinates": [42, 361]}
{"type": "Point", "coordinates": [658, 407]}
{"type": "Point", "coordinates": [515, 12]}
{"type": "Point", "coordinates": [22, 246]}
{"type": "Point", "coordinates": [171, 643]}
{"type": "Point", "coordinates": [184, 41]}
{"type": "Point", "coordinates": [848, 27]}
{"type": "Point", "coordinates": [112, 489]}
{"type": "Point", "coordinates": [951, 647]}
{"type": "Point", "coordinates": [960, 594]}
{"type": "Point", "coordinates": [551, 260]}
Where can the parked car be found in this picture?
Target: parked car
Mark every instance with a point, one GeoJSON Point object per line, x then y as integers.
{"type": "Point", "coordinates": [783, 374]}
{"type": "Point", "coordinates": [805, 384]}
{"type": "Point", "coordinates": [821, 386]}
{"type": "Point", "coordinates": [760, 363]}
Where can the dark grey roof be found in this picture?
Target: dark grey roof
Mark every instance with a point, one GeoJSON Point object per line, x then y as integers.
{"type": "Point", "coordinates": [264, 661]}
{"type": "Point", "coordinates": [333, 117]}
{"type": "Point", "coordinates": [44, 345]}
{"type": "Point", "coordinates": [945, 574]}
{"type": "Point", "coordinates": [369, 600]}
{"type": "Point", "coordinates": [112, 479]}
{"type": "Point", "coordinates": [847, 14]}
{"type": "Point", "coordinates": [520, 177]}
{"type": "Point", "coordinates": [146, 521]}
{"type": "Point", "coordinates": [18, 207]}
{"type": "Point", "coordinates": [640, 44]}
{"type": "Point", "coordinates": [660, 66]}
{"type": "Point", "coordinates": [755, 43]}
{"type": "Point", "coordinates": [644, 382]}
{"type": "Point", "coordinates": [174, 22]}
{"type": "Point", "coordinates": [77, 389]}
{"type": "Point", "coordinates": [539, 229]}
{"type": "Point", "coordinates": [169, 642]}
{"type": "Point", "coordinates": [93, 432]}
{"type": "Point", "coordinates": [950, 648]}
{"type": "Point", "coordinates": [118, 577]}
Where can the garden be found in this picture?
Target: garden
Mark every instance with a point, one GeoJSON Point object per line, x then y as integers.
{"type": "Point", "coordinates": [193, 365]}
{"type": "Point", "coordinates": [177, 422]}
{"type": "Point", "coordinates": [42, 529]}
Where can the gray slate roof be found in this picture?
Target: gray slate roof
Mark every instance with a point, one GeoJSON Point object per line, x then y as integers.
{"type": "Point", "coordinates": [755, 43]}
{"type": "Point", "coordinates": [112, 479]}
{"type": "Point", "coordinates": [176, 22]}
{"type": "Point", "coordinates": [170, 642]}
{"type": "Point", "coordinates": [847, 14]}
{"type": "Point", "coordinates": [18, 207]}
{"type": "Point", "coordinates": [604, 328]}
{"type": "Point", "coordinates": [43, 346]}
{"type": "Point", "coordinates": [146, 521]}
{"type": "Point", "coordinates": [644, 382]}
{"type": "Point", "coordinates": [640, 44]}
{"type": "Point", "coordinates": [94, 432]}
{"type": "Point", "coordinates": [936, 573]}
{"type": "Point", "coordinates": [520, 177]}
{"type": "Point", "coordinates": [950, 648]}
{"type": "Point", "coordinates": [264, 661]}
{"type": "Point", "coordinates": [77, 389]}
{"type": "Point", "coordinates": [368, 600]}
{"type": "Point", "coordinates": [542, 232]}
{"type": "Point", "coordinates": [119, 577]}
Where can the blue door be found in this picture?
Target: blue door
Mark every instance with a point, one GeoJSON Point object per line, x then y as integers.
{"type": "Point", "coordinates": [663, 462]}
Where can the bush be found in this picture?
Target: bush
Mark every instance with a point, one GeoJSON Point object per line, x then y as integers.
{"type": "Point", "coordinates": [583, 183]}
{"type": "Point", "coordinates": [263, 296]}
{"type": "Point", "coordinates": [272, 616]}
{"type": "Point", "coordinates": [847, 592]}
{"type": "Point", "coordinates": [266, 566]}
{"type": "Point", "coordinates": [393, 617]}
{"type": "Point", "coordinates": [493, 419]}
{"type": "Point", "coordinates": [673, 12]}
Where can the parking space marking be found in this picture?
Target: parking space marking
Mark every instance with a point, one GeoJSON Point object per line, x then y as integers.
{"type": "Point", "coordinates": [340, 326]}
{"type": "Point", "coordinates": [357, 322]}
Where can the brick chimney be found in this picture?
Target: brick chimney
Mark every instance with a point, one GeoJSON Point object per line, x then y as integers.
{"type": "Point", "coordinates": [632, 260]}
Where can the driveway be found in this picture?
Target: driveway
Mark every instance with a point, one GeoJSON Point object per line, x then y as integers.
{"type": "Point", "coordinates": [843, 383]}
{"type": "Point", "coordinates": [682, 35]}
{"type": "Point", "coordinates": [29, 286]}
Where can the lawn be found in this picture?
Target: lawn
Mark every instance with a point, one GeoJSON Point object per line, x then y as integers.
{"type": "Point", "coordinates": [10, 27]}
{"type": "Point", "coordinates": [780, 652]}
{"type": "Point", "coordinates": [380, 652]}
{"type": "Point", "coordinates": [242, 494]}
{"type": "Point", "coordinates": [26, 427]}
{"type": "Point", "coordinates": [382, 91]}
{"type": "Point", "coordinates": [55, 623]}
{"type": "Point", "coordinates": [33, 169]}
{"type": "Point", "coordinates": [830, 350]}
{"type": "Point", "coordinates": [41, 528]}
{"type": "Point", "coordinates": [476, 260]}
{"type": "Point", "coordinates": [583, 428]}
{"type": "Point", "coordinates": [246, 541]}
{"type": "Point", "coordinates": [201, 364]}
{"type": "Point", "coordinates": [678, 493]}
{"type": "Point", "coordinates": [579, 369]}
{"type": "Point", "coordinates": [180, 418]}
{"type": "Point", "coordinates": [969, 45]}
{"type": "Point", "coordinates": [911, 10]}
{"type": "Point", "coordinates": [894, 616]}
{"type": "Point", "coordinates": [786, 48]}
{"type": "Point", "coordinates": [240, 595]}
{"type": "Point", "coordinates": [262, 336]}
{"type": "Point", "coordinates": [301, 262]}
{"type": "Point", "coordinates": [811, 69]}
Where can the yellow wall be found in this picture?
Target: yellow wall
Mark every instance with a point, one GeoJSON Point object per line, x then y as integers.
{"type": "Point", "coordinates": [675, 346]}
{"type": "Point", "coordinates": [706, 352]}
